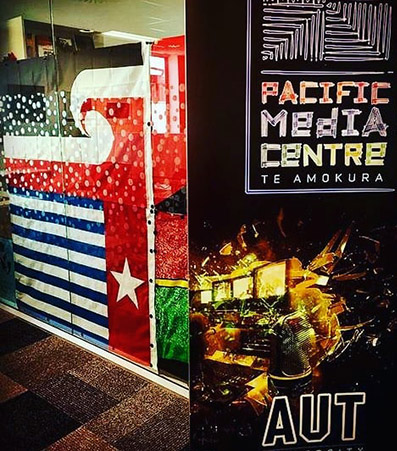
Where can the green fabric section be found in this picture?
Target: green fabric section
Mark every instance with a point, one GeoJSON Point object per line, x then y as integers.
{"type": "Point", "coordinates": [172, 319]}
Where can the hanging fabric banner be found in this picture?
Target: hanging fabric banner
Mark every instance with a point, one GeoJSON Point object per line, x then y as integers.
{"type": "Point", "coordinates": [78, 154]}
{"type": "Point", "coordinates": [169, 176]}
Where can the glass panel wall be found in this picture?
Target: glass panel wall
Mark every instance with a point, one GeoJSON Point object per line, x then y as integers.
{"type": "Point", "coordinates": [93, 218]}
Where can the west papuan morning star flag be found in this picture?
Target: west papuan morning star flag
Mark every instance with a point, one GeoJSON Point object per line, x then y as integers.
{"type": "Point", "coordinates": [78, 154]}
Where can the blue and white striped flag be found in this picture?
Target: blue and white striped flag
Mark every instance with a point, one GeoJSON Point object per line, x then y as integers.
{"type": "Point", "coordinates": [60, 262]}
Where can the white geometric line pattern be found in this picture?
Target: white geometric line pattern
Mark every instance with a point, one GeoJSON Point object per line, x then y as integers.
{"type": "Point", "coordinates": [321, 30]}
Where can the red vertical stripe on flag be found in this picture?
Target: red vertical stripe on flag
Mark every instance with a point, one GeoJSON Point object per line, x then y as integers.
{"type": "Point", "coordinates": [127, 276]}
{"type": "Point", "coordinates": [126, 232]}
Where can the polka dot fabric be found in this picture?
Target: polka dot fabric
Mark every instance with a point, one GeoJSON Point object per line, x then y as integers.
{"type": "Point", "coordinates": [114, 188]}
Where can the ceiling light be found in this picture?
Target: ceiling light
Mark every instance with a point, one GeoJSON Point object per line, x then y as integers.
{"type": "Point", "coordinates": [128, 36]}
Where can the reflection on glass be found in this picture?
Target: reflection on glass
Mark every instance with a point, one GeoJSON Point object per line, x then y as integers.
{"type": "Point", "coordinates": [93, 123]}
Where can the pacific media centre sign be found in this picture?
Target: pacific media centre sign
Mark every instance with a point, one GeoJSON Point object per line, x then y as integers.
{"type": "Point", "coordinates": [320, 97]}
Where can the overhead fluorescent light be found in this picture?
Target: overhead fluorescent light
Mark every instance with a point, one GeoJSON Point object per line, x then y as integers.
{"type": "Point", "coordinates": [157, 65]}
{"type": "Point", "coordinates": [128, 36]}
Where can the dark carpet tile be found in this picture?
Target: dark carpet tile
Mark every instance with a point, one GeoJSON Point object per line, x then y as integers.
{"type": "Point", "coordinates": [35, 364]}
{"type": "Point", "coordinates": [28, 422]}
{"type": "Point", "coordinates": [9, 388]}
{"type": "Point", "coordinates": [5, 316]}
{"type": "Point", "coordinates": [168, 430]}
{"type": "Point", "coordinates": [109, 378]}
{"type": "Point", "coordinates": [16, 334]}
{"type": "Point", "coordinates": [131, 413]}
{"type": "Point", "coordinates": [81, 440]}
{"type": "Point", "coordinates": [76, 398]}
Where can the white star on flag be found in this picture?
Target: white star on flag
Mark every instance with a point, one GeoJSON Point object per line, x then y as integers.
{"type": "Point", "coordinates": [127, 284]}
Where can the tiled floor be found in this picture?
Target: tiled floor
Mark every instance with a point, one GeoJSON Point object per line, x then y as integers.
{"type": "Point", "coordinates": [57, 396]}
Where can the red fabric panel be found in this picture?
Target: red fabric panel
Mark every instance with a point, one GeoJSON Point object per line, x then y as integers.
{"type": "Point", "coordinates": [171, 246]}
{"type": "Point", "coordinates": [126, 238]}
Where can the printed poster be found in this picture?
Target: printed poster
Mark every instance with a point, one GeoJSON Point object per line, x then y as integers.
{"type": "Point", "coordinates": [292, 224]}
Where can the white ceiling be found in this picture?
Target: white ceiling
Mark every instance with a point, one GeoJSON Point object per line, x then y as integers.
{"type": "Point", "coordinates": [155, 18]}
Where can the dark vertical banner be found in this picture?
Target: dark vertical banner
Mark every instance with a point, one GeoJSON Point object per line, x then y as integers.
{"type": "Point", "coordinates": [292, 224]}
